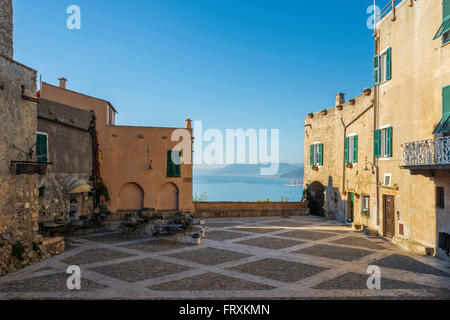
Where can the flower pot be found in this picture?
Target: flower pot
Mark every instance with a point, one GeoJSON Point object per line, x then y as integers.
{"type": "Point", "coordinates": [339, 108]}
{"type": "Point", "coordinates": [352, 102]}
{"type": "Point", "coordinates": [324, 112]}
{"type": "Point", "coordinates": [310, 115]}
{"type": "Point", "coordinates": [367, 91]}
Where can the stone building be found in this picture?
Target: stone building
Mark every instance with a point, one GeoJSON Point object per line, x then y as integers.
{"type": "Point", "coordinates": [338, 149]}
{"type": "Point", "coordinates": [66, 138]}
{"type": "Point", "coordinates": [20, 243]}
{"type": "Point", "coordinates": [135, 162]}
{"type": "Point", "coordinates": [407, 131]}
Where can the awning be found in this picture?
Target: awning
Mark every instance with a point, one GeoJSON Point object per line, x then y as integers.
{"type": "Point", "coordinates": [78, 186]}
{"type": "Point", "coordinates": [444, 28]}
{"type": "Point", "coordinates": [444, 125]}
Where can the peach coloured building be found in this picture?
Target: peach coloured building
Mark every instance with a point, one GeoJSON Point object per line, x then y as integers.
{"type": "Point", "coordinates": [135, 162]}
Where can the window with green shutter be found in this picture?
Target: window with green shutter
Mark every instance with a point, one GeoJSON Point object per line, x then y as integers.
{"type": "Point", "coordinates": [41, 147]}
{"type": "Point", "coordinates": [383, 143]}
{"type": "Point", "coordinates": [173, 169]}
{"type": "Point", "coordinates": [383, 66]}
{"type": "Point", "coordinates": [351, 149]}
{"type": "Point", "coordinates": [316, 154]}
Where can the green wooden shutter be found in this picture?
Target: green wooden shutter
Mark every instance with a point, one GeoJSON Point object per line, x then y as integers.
{"type": "Point", "coordinates": [169, 164]}
{"type": "Point", "coordinates": [355, 149]}
{"type": "Point", "coordinates": [389, 141]}
{"type": "Point", "coordinates": [320, 154]}
{"type": "Point", "coordinates": [446, 100]}
{"type": "Point", "coordinates": [41, 147]}
{"type": "Point", "coordinates": [388, 64]}
{"type": "Point", "coordinates": [446, 8]}
{"type": "Point", "coordinates": [177, 167]}
{"type": "Point", "coordinates": [346, 148]}
{"type": "Point", "coordinates": [311, 155]}
{"type": "Point", "coordinates": [376, 143]}
{"type": "Point", "coordinates": [376, 69]}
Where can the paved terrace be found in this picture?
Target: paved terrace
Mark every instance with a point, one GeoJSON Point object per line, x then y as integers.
{"type": "Point", "coordinates": [294, 257]}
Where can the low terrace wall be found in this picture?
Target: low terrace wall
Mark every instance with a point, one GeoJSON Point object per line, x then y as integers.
{"type": "Point", "coordinates": [249, 209]}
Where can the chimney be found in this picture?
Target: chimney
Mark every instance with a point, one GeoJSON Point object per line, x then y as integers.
{"type": "Point", "coordinates": [340, 99]}
{"type": "Point", "coordinates": [6, 28]}
{"type": "Point", "coordinates": [188, 123]}
{"type": "Point", "coordinates": [62, 82]}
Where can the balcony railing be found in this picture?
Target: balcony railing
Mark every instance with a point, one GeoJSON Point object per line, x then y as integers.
{"type": "Point", "coordinates": [391, 4]}
{"type": "Point", "coordinates": [433, 152]}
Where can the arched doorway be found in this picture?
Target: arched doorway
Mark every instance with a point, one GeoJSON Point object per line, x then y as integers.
{"type": "Point", "coordinates": [317, 193]}
{"type": "Point", "coordinates": [131, 197]}
{"type": "Point", "coordinates": [168, 197]}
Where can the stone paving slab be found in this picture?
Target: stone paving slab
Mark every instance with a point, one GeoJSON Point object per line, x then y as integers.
{"type": "Point", "coordinates": [158, 245]}
{"type": "Point", "coordinates": [256, 229]}
{"type": "Point", "coordinates": [356, 281]}
{"type": "Point", "coordinates": [210, 282]}
{"type": "Point", "coordinates": [363, 243]}
{"type": "Point", "coordinates": [139, 270]}
{"type": "Point", "coordinates": [402, 262]}
{"type": "Point", "coordinates": [49, 283]}
{"type": "Point", "coordinates": [210, 256]}
{"type": "Point", "coordinates": [307, 235]}
{"type": "Point", "coordinates": [271, 243]}
{"type": "Point", "coordinates": [117, 237]}
{"type": "Point", "coordinates": [279, 270]}
{"type": "Point", "coordinates": [95, 255]}
{"type": "Point", "coordinates": [335, 252]}
{"type": "Point", "coordinates": [288, 223]}
{"type": "Point", "coordinates": [220, 235]}
{"type": "Point", "coordinates": [221, 224]}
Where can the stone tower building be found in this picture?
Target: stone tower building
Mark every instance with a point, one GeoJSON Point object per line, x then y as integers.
{"type": "Point", "coordinates": [6, 28]}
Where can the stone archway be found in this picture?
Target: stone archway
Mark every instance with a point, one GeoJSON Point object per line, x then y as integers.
{"type": "Point", "coordinates": [131, 197]}
{"type": "Point", "coordinates": [317, 193]}
{"type": "Point", "coordinates": [168, 197]}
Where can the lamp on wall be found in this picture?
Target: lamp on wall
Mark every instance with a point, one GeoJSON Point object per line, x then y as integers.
{"type": "Point", "coordinates": [372, 166]}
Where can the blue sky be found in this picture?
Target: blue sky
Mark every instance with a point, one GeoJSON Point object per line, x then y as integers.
{"type": "Point", "coordinates": [232, 64]}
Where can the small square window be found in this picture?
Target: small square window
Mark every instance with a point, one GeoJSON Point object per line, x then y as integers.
{"type": "Point", "coordinates": [366, 204]}
{"type": "Point", "coordinates": [440, 197]}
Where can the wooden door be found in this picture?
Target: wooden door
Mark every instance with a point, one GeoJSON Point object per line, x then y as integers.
{"type": "Point", "coordinates": [351, 206]}
{"type": "Point", "coordinates": [389, 216]}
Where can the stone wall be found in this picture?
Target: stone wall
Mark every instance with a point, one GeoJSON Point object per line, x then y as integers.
{"type": "Point", "coordinates": [71, 154]}
{"type": "Point", "coordinates": [6, 29]}
{"type": "Point", "coordinates": [249, 209]}
{"type": "Point", "coordinates": [18, 193]}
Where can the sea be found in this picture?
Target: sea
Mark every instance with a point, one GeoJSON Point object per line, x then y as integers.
{"type": "Point", "coordinates": [245, 188]}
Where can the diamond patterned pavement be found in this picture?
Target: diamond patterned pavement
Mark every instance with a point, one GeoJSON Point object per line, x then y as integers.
{"type": "Point", "coordinates": [265, 257]}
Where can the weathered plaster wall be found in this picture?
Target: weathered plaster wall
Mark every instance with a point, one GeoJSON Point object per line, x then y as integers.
{"type": "Point", "coordinates": [6, 28]}
{"type": "Point", "coordinates": [337, 179]}
{"type": "Point", "coordinates": [71, 155]}
{"type": "Point", "coordinates": [411, 102]}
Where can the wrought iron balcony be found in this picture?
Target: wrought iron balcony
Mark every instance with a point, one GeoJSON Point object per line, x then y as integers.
{"type": "Point", "coordinates": [427, 154]}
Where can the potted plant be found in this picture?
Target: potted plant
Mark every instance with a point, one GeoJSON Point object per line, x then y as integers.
{"type": "Point", "coordinates": [352, 102]}
{"type": "Point", "coordinates": [339, 107]}
{"type": "Point", "coordinates": [367, 91]}
{"type": "Point", "coordinates": [315, 168]}
{"type": "Point", "coordinates": [196, 239]}
{"type": "Point", "coordinates": [54, 233]}
{"type": "Point", "coordinates": [324, 112]}
{"type": "Point", "coordinates": [349, 165]}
